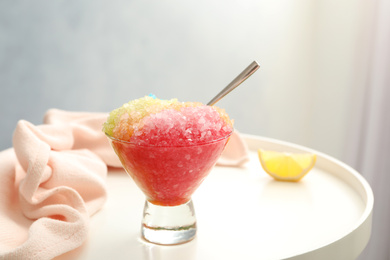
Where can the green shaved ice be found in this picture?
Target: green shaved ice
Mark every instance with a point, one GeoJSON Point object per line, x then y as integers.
{"type": "Point", "coordinates": [122, 121]}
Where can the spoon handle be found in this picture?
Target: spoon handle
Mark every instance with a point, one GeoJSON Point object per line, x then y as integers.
{"type": "Point", "coordinates": [246, 73]}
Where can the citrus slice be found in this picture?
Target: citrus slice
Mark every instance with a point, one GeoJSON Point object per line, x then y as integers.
{"type": "Point", "coordinates": [286, 166]}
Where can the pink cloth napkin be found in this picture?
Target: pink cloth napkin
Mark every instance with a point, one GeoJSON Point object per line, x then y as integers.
{"type": "Point", "coordinates": [53, 180]}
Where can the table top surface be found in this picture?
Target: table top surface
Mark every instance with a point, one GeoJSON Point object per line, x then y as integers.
{"type": "Point", "coordinates": [242, 213]}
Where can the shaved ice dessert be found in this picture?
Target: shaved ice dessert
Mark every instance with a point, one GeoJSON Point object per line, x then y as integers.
{"type": "Point", "coordinates": [168, 147]}
{"type": "Point", "coordinates": [151, 121]}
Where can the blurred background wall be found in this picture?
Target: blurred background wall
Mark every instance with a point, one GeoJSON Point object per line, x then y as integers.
{"type": "Point", "coordinates": [97, 55]}
{"type": "Point", "coordinates": [311, 89]}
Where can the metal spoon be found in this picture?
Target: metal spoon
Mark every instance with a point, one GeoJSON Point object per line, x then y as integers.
{"type": "Point", "coordinates": [246, 73]}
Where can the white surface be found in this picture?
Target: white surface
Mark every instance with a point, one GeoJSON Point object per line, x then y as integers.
{"type": "Point", "coordinates": [244, 214]}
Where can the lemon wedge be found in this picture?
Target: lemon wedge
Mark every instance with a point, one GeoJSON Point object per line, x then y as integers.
{"type": "Point", "coordinates": [286, 166]}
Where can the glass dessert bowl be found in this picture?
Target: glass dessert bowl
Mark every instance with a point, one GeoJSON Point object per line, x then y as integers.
{"type": "Point", "coordinates": [168, 148]}
{"type": "Point", "coordinates": [168, 176]}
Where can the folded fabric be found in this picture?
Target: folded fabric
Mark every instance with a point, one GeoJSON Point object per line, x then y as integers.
{"type": "Point", "coordinates": [53, 180]}
{"type": "Point", "coordinates": [235, 153]}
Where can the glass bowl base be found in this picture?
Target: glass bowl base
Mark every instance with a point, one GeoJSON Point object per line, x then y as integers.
{"type": "Point", "coordinates": [168, 237]}
{"type": "Point", "coordinates": [169, 225]}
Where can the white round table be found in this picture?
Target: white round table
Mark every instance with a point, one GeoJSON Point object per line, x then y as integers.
{"type": "Point", "coordinates": [242, 213]}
